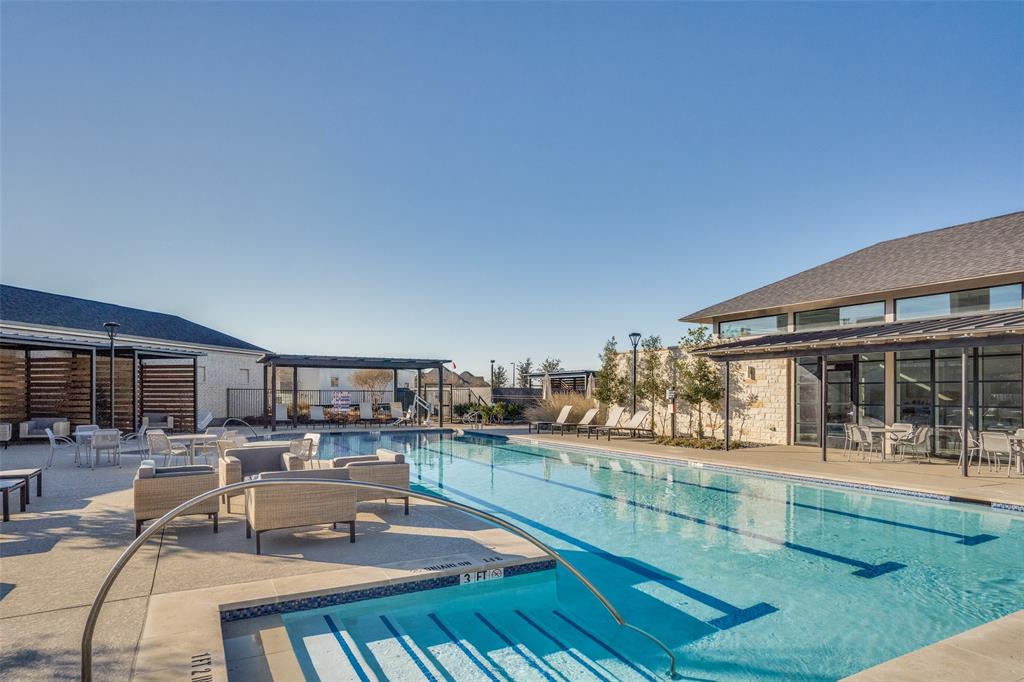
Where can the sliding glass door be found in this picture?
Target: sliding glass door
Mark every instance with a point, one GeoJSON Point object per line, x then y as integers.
{"type": "Point", "coordinates": [856, 395]}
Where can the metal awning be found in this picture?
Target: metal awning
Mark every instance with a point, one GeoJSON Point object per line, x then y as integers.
{"type": "Point", "coordinates": [948, 332]}
{"type": "Point", "coordinates": [348, 362]}
{"type": "Point", "coordinates": [46, 342]}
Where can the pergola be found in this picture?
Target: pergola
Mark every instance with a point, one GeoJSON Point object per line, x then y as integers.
{"type": "Point", "coordinates": [48, 376]}
{"type": "Point", "coordinates": [962, 332]}
{"type": "Point", "coordinates": [272, 361]}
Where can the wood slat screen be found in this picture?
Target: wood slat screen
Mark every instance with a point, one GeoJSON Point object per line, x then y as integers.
{"type": "Point", "coordinates": [13, 394]}
{"type": "Point", "coordinates": [123, 379]}
{"type": "Point", "coordinates": [169, 388]}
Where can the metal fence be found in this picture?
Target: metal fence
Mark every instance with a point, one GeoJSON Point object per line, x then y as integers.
{"type": "Point", "coordinates": [250, 404]}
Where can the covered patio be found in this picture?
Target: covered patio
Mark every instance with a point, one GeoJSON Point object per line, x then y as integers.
{"type": "Point", "coordinates": [51, 377]}
{"type": "Point", "coordinates": [274, 363]}
{"type": "Point", "coordinates": [962, 343]}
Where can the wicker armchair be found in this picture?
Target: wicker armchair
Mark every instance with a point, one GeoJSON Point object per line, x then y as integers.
{"type": "Point", "coordinates": [386, 468]}
{"type": "Point", "coordinates": [159, 490]}
{"type": "Point", "coordinates": [293, 506]}
{"type": "Point", "coordinates": [238, 463]}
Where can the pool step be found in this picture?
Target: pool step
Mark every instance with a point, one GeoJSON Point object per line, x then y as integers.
{"type": "Point", "coordinates": [508, 645]}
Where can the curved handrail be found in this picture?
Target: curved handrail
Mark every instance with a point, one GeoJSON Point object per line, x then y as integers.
{"type": "Point", "coordinates": [129, 552]}
{"type": "Point", "coordinates": [241, 421]}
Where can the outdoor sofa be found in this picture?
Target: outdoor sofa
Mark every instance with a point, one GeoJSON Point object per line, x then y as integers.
{"type": "Point", "coordinates": [386, 468]}
{"type": "Point", "coordinates": [158, 490]}
{"type": "Point", "coordinates": [160, 420]}
{"type": "Point", "coordinates": [36, 427]}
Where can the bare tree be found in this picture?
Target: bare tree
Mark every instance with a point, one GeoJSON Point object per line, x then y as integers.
{"type": "Point", "coordinates": [373, 380]}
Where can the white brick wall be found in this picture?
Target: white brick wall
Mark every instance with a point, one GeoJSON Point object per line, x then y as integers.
{"type": "Point", "coordinates": [221, 370]}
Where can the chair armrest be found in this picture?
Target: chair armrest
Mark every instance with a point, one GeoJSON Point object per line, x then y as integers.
{"type": "Point", "coordinates": [170, 422]}
{"type": "Point", "coordinates": [62, 429]}
{"type": "Point", "coordinates": [230, 470]}
{"type": "Point", "coordinates": [23, 428]}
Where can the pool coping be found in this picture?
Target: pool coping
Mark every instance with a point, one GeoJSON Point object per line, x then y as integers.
{"type": "Point", "coordinates": [753, 471]}
{"type": "Point", "coordinates": [183, 633]}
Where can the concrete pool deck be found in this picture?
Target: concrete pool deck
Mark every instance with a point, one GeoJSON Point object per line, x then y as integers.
{"type": "Point", "coordinates": [56, 554]}
{"type": "Point", "coordinates": [940, 477]}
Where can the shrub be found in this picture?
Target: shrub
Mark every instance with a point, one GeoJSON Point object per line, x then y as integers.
{"type": "Point", "coordinates": [547, 410]}
{"type": "Point", "coordinates": [461, 409]}
{"type": "Point", "coordinates": [700, 443]}
{"type": "Point", "coordinates": [513, 412]}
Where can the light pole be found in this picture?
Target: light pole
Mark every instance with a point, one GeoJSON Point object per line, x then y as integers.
{"type": "Point", "coordinates": [513, 375]}
{"type": "Point", "coordinates": [492, 373]}
{"type": "Point", "coordinates": [634, 339]}
{"type": "Point", "coordinates": [111, 328]}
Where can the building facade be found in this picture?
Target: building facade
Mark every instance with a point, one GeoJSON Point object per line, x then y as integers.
{"type": "Point", "coordinates": [889, 327]}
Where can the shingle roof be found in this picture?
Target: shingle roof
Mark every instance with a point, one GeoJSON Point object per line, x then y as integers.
{"type": "Point", "coordinates": [985, 247]}
{"type": "Point", "coordinates": [54, 310]}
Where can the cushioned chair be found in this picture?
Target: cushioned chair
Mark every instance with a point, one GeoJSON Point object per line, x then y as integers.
{"type": "Point", "coordinates": [158, 490]}
{"type": "Point", "coordinates": [160, 420]}
{"type": "Point", "coordinates": [36, 427]}
{"type": "Point", "coordinates": [238, 463]}
{"type": "Point", "coordinates": [293, 506]}
{"type": "Point", "coordinates": [5, 433]}
{"type": "Point", "coordinates": [386, 467]}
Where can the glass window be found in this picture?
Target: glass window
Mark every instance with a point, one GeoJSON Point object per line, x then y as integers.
{"type": "Point", "coordinates": [838, 317]}
{"type": "Point", "coordinates": [856, 395]}
{"type": "Point", "coordinates": [754, 326]}
{"type": "Point", "coordinates": [1005, 297]}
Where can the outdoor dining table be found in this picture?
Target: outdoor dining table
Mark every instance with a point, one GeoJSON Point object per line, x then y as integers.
{"type": "Point", "coordinates": [192, 439]}
{"type": "Point", "coordinates": [26, 475]}
{"type": "Point", "coordinates": [11, 484]}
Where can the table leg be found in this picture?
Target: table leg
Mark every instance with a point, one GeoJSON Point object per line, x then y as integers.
{"type": "Point", "coordinates": [24, 494]}
{"type": "Point", "coordinates": [39, 484]}
{"type": "Point", "coordinates": [7, 505]}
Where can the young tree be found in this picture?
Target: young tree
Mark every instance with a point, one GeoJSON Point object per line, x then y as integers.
{"type": "Point", "coordinates": [372, 380]}
{"type": "Point", "coordinates": [550, 365]}
{"type": "Point", "coordinates": [651, 382]}
{"type": "Point", "coordinates": [500, 377]}
{"type": "Point", "coordinates": [700, 381]}
{"type": "Point", "coordinates": [610, 385]}
{"type": "Point", "coordinates": [523, 370]}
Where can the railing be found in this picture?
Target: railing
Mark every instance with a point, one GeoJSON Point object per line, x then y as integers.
{"type": "Point", "coordinates": [122, 561]}
{"type": "Point", "coordinates": [243, 423]}
{"type": "Point", "coordinates": [250, 403]}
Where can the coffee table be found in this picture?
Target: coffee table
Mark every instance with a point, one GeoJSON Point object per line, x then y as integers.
{"type": "Point", "coordinates": [9, 485]}
{"type": "Point", "coordinates": [27, 475]}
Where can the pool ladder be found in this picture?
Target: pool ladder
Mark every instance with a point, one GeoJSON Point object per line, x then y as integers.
{"type": "Point", "coordinates": [129, 552]}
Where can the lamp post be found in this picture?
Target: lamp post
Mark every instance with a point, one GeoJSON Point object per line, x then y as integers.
{"type": "Point", "coordinates": [492, 373]}
{"type": "Point", "coordinates": [513, 375]}
{"type": "Point", "coordinates": [111, 328]}
{"type": "Point", "coordinates": [634, 339]}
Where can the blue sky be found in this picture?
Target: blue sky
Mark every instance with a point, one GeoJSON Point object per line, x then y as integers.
{"type": "Point", "coordinates": [485, 180]}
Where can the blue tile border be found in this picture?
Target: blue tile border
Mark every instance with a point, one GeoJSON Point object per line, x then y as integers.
{"type": "Point", "coordinates": [759, 473]}
{"type": "Point", "coordinates": [377, 592]}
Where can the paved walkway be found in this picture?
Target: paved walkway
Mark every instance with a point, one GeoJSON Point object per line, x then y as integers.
{"type": "Point", "coordinates": [56, 554]}
{"type": "Point", "coordinates": [941, 477]}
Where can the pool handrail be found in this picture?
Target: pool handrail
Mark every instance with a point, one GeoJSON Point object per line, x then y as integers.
{"type": "Point", "coordinates": [247, 424]}
{"type": "Point", "coordinates": [129, 552]}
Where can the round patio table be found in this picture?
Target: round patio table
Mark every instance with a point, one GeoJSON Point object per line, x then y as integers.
{"type": "Point", "coordinates": [192, 439]}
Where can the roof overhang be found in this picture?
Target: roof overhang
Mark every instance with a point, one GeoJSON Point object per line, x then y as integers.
{"type": "Point", "coordinates": [348, 362]}
{"type": "Point", "coordinates": [145, 351]}
{"type": "Point", "coordinates": [989, 329]}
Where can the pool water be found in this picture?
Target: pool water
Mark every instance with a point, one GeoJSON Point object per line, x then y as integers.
{"type": "Point", "coordinates": [744, 577]}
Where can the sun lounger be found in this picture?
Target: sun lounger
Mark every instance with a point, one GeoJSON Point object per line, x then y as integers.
{"type": "Point", "coordinates": [614, 415]}
{"type": "Point", "coordinates": [562, 416]}
{"type": "Point", "coordinates": [633, 427]}
{"type": "Point", "coordinates": [583, 423]}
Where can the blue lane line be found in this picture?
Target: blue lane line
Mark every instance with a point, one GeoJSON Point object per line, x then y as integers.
{"type": "Point", "coordinates": [969, 540]}
{"type": "Point", "coordinates": [463, 648]}
{"type": "Point", "coordinates": [606, 647]}
{"type": "Point", "coordinates": [864, 569]}
{"type": "Point", "coordinates": [518, 648]}
{"type": "Point", "coordinates": [408, 649]}
{"type": "Point", "coordinates": [353, 661]}
{"type": "Point", "coordinates": [576, 657]}
{"type": "Point", "coordinates": [734, 615]}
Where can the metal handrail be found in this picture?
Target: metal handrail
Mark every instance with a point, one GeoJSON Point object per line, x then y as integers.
{"type": "Point", "coordinates": [129, 552]}
{"type": "Point", "coordinates": [241, 421]}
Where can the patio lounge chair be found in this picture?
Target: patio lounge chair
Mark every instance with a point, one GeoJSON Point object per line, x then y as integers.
{"type": "Point", "coordinates": [36, 427]}
{"type": "Point", "coordinates": [161, 446]}
{"type": "Point", "coordinates": [238, 463]}
{"type": "Point", "coordinates": [614, 416]}
{"type": "Point", "coordinates": [136, 442]}
{"type": "Point", "coordinates": [159, 420]}
{"type": "Point", "coordinates": [588, 418]}
{"type": "Point", "coordinates": [293, 506]}
{"type": "Point", "coordinates": [204, 420]}
{"type": "Point", "coordinates": [280, 413]}
{"type": "Point", "coordinates": [158, 490]}
{"type": "Point", "coordinates": [5, 433]}
{"type": "Point", "coordinates": [560, 419]}
{"type": "Point", "coordinates": [997, 444]}
{"type": "Point", "coordinates": [632, 428]}
{"type": "Point", "coordinates": [316, 415]}
{"type": "Point", "coordinates": [386, 467]}
{"type": "Point", "coordinates": [400, 416]}
{"type": "Point", "coordinates": [106, 439]}
{"type": "Point", "coordinates": [366, 415]}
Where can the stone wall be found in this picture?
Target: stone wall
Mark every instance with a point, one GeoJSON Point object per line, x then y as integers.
{"type": "Point", "coordinates": [760, 396]}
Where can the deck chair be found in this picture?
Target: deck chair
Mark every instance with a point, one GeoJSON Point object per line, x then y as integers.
{"type": "Point", "coordinates": [399, 416]}
{"type": "Point", "coordinates": [204, 421]}
{"type": "Point", "coordinates": [588, 418]}
{"type": "Point", "coordinates": [632, 428]}
{"type": "Point", "coordinates": [316, 415]}
{"type": "Point", "coordinates": [614, 416]}
{"type": "Point", "coordinates": [281, 413]}
{"type": "Point", "coordinates": [366, 414]}
{"type": "Point", "coordinates": [559, 420]}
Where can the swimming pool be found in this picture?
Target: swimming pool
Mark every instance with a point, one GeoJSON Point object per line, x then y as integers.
{"type": "Point", "coordinates": [744, 577]}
